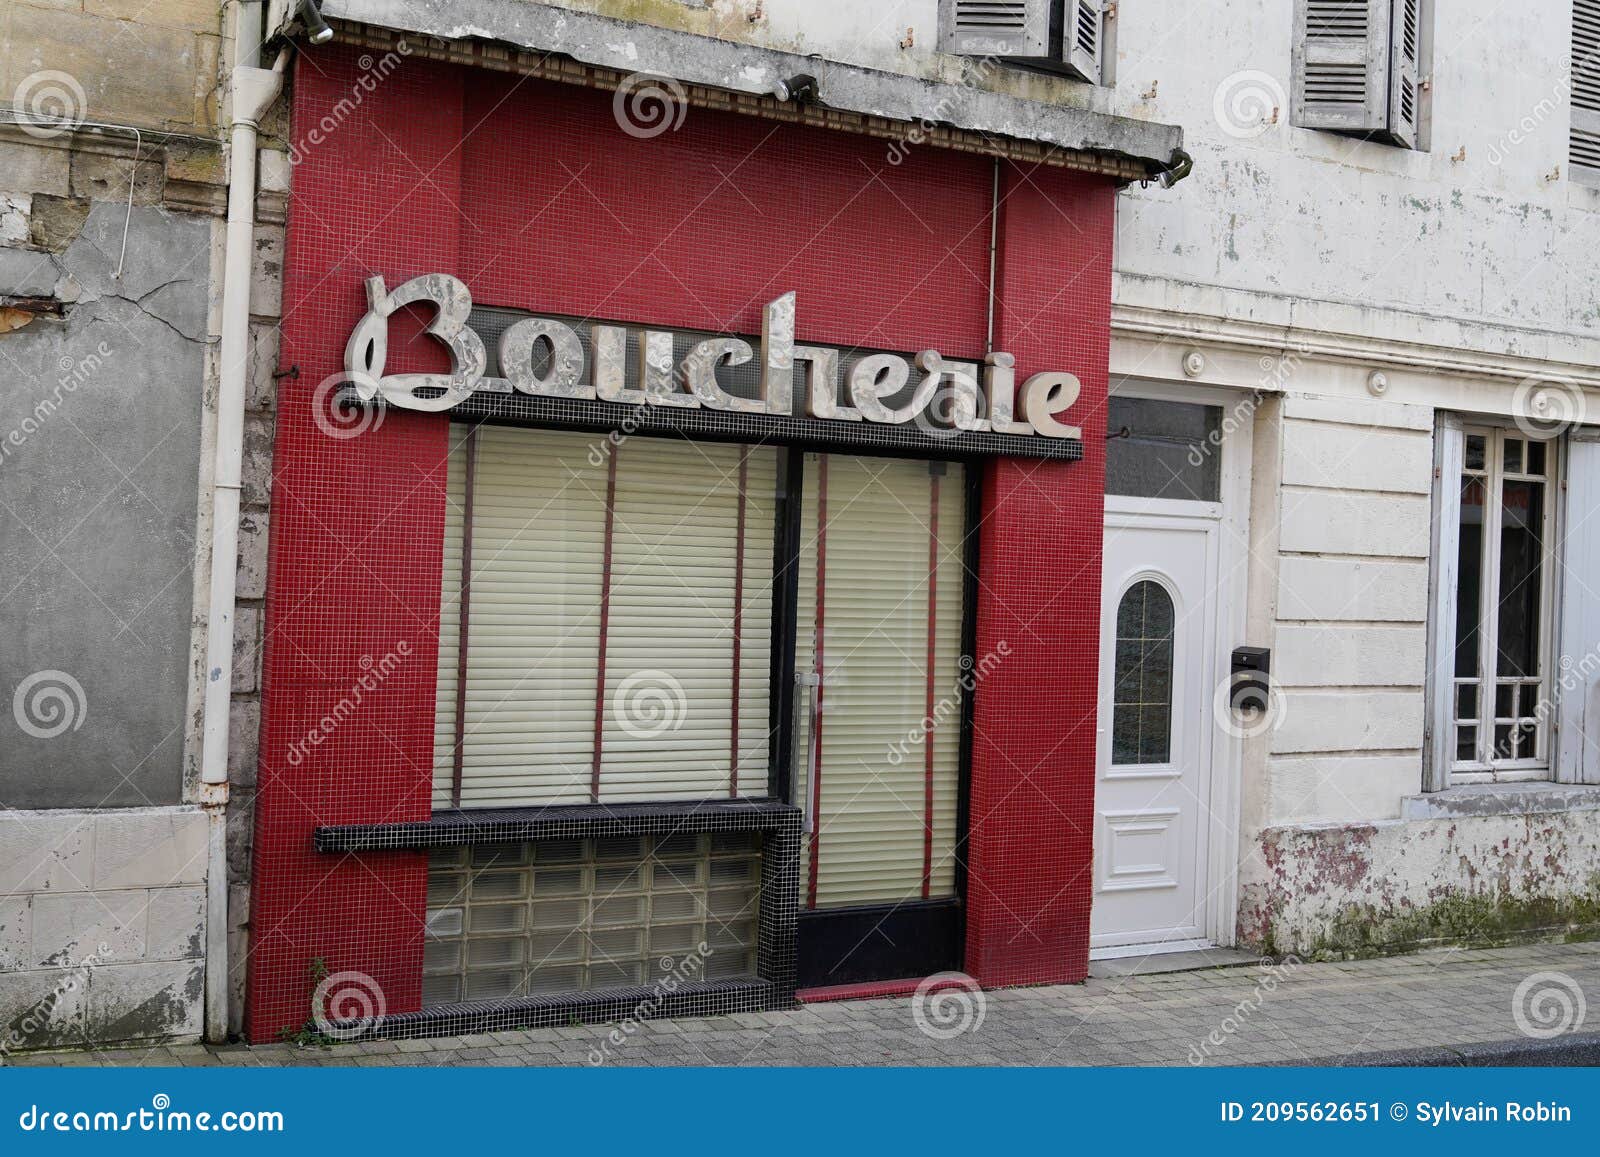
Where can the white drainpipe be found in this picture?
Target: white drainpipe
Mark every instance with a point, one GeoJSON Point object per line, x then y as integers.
{"type": "Point", "coordinates": [253, 90]}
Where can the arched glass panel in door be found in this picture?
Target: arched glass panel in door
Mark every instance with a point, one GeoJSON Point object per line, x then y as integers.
{"type": "Point", "coordinates": [1141, 712]}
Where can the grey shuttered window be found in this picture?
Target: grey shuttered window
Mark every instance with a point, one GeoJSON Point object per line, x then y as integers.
{"type": "Point", "coordinates": [1064, 36]}
{"type": "Point", "coordinates": [1584, 135]}
{"type": "Point", "coordinates": [1360, 67]}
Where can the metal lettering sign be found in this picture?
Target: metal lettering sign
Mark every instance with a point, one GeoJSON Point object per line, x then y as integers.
{"type": "Point", "coordinates": [546, 357]}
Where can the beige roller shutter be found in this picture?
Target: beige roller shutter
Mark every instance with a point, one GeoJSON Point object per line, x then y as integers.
{"type": "Point", "coordinates": [538, 586]}
{"type": "Point", "coordinates": [886, 521]}
{"type": "Point", "coordinates": [669, 651]}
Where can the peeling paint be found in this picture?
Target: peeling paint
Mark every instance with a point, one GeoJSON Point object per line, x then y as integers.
{"type": "Point", "coordinates": [1341, 891]}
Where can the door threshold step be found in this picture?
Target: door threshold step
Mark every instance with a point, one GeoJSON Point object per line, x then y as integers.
{"type": "Point", "coordinates": [1192, 960]}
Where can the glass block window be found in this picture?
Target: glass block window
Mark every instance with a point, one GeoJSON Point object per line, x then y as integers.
{"type": "Point", "coordinates": [1141, 714]}
{"type": "Point", "coordinates": [512, 920]}
{"type": "Point", "coordinates": [1502, 606]}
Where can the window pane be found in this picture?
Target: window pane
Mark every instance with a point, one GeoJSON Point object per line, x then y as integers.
{"type": "Point", "coordinates": [1141, 714]}
{"type": "Point", "coordinates": [1170, 450]}
{"type": "Point", "coordinates": [1475, 452]}
{"type": "Point", "coordinates": [1469, 577]}
{"type": "Point", "coordinates": [1513, 455]}
{"type": "Point", "coordinates": [1521, 577]}
{"type": "Point", "coordinates": [673, 542]}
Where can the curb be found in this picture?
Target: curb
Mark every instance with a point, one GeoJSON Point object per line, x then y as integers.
{"type": "Point", "coordinates": [1569, 1049]}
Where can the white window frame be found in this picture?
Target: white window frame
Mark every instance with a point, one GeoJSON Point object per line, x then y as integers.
{"type": "Point", "coordinates": [1443, 768]}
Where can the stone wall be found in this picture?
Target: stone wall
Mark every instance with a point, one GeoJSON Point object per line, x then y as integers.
{"type": "Point", "coordinates": [102, 921]}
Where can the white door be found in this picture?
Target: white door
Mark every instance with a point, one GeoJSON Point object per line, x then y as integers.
{"type": "Point", "coordinates": [1157, 683]}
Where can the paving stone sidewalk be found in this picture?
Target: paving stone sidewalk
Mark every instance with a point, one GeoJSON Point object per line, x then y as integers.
{"type": "Point", "coordinates": [1281, 1014]}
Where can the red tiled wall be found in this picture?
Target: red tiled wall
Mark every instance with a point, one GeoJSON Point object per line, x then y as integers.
{"type": "Point", "coordinates": [1029, 845]}
{"type": "Point", "coordinates": [532, 194]}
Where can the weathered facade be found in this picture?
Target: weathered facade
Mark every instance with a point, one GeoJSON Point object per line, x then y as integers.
{"type": "Point", "coordinates": [1346, 394]}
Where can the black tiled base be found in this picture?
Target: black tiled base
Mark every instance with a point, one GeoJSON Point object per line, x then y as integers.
{"type": "Point", "coordinates": [711, 998]}
{"type": "Point", "coordinates": [775, 936]}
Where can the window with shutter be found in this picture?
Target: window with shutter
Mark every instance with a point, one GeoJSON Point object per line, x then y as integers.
{"type": "Point", "coordinates": [1359, 67]}
{"type": "Point", "coordinates": [1584, 134]}
{"type": "Point", "coordinates": [1058, 35]}
{"type": "Point", "coordinates": [616, 608]}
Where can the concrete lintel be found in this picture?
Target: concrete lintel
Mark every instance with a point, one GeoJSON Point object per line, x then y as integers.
{"type": "Point", "coordinates": [628, 47]}
{"type": "Point", "coordinates": [1500, 799]}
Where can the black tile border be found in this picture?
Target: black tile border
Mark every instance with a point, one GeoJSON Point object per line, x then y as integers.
{"type": "Point", "coordinates": [775, 937]}
{"type": "Point", "coordinates": [452, 827]}
{"type": "Point", "coordinates": [907, 440]}
{"type": "Point", "coordinates": [639, 1003]}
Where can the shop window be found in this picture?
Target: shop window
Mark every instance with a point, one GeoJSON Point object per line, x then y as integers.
{"type": "Point", "coordinates": [1141, 713]}
{"type": "Point", "coordinates": [516, 920]}
{"type": "Point", "coordinates": [1495, 722]}
{"type": "Point", "coordinates": [1360, 68]}
{"type": "Point", "coordinates": [878, 649]}
{"type": "Point", "coordinates": [606, 619]}
{"type": "Point", "coordinates": [1160, 449]}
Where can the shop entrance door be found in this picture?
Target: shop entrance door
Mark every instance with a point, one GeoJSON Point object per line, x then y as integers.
{"type": "Point", "coordinates": [1158, 648]}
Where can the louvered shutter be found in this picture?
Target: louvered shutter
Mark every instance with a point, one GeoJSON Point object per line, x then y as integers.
{"type": "Point", "coordinates": [1577, 676]}
{"type": "Point", "coordinates": [1081, 47]}
{"type": "Point", "coordinates": [873, 532]}
{"type": "Point", "coordinates": [1405, 72]}
{"type": "Point", "coordinates": [1341, 57]}
{"type": "Point", "coordinates": [1584, 134]}
{"type": "Point", "coordinates": [1006, 28]}
{"type": "Point", "coordinates": [539, 538]}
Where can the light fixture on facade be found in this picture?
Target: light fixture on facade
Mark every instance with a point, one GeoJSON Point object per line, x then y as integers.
{"type": "Point", "coordinates": [317, 28]}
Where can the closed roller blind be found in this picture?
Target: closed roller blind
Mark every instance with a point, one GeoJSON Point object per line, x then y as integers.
{"type": "Point", "coordinates": [544, 609]}
{"type": "Point", "coordinates": [882, 543]}
{"type": "Point", "coordinates": [669, 652]}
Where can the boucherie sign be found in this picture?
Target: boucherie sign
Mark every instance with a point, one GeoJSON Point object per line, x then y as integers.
{"type": "Point", "coordinates": [547, 357]}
